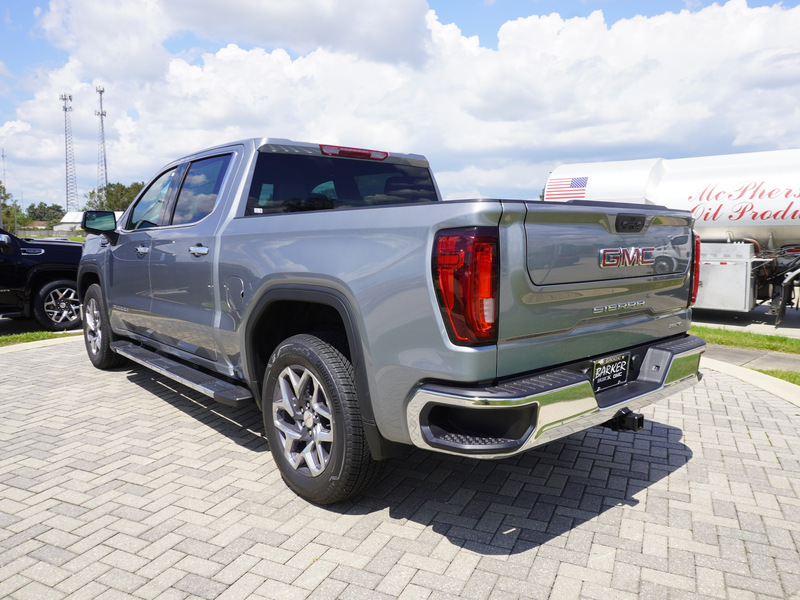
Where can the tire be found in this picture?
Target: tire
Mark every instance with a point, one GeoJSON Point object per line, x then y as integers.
{"type": "Point", "coordinates": [97, 334]}
{"type": "Point", "coordinates": [56, 305]}
{"type": "Point", "coordinates": [313, 424]}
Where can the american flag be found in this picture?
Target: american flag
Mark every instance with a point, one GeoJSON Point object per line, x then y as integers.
{"type": "Point", "coordinates": [566, 188]}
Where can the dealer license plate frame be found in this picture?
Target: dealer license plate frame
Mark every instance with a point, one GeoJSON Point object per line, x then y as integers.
{"type": "Point", "coordinates": [607, 374]}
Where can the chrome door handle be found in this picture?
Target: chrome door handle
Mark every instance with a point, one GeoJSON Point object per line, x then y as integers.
{"type": "Point", "coordinates": [142, 250]}
{"type": "Point", "coordinates": [198, 250]}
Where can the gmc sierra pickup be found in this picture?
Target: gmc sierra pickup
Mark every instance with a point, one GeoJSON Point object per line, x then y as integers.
{"type": "Point", "coordinates": [333, 287]}
{"type": "Point", "coordinates": [37, 278]}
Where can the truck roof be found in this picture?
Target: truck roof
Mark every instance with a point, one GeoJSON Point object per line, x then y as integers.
{"type": "Point", "coordinates": [285, 145]}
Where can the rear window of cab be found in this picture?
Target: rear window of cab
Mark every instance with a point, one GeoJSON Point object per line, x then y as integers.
{"type": "Point", "coordinates": [284, 183]}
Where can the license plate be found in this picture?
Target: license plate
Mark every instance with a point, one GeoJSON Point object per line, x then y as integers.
{"type": "Point", "coordinates": [610, 371]}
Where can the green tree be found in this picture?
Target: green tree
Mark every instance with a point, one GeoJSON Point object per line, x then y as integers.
{"type": "Point", "coordinates": [12, 213]}
{"type": "Point", "coordinates": [43, 212]}
{"type": "Point", "coordinates": [4, 196]}
{"type": "Point", "coordinates": [117, 196]}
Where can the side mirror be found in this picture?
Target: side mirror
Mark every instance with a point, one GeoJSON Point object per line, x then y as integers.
{"type": "Point", "coordinates": [100, 222]}
{"type": "Point", "coordinates": [5, 244]}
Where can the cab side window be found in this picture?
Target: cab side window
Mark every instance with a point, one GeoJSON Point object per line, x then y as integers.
{"type": "Point", "coordinates": [200, 189]}
{"type": "Point", "coordinates": [148, 210]}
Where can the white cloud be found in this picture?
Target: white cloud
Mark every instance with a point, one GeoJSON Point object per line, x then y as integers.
{"type": "Point", "coordinates": [130, 35]}
{"type": "Point", "coordinates": [111, 38]}
{"type": "Point", "coordinates": [13, 128]}
{"type": "Point", "coordinates": [388, 75]}
{"type": "Point", "coordinates": [378, 29]}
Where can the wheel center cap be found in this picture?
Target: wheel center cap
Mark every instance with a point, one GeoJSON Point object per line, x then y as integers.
{"type": "Point", "coordinates": [308, 420]}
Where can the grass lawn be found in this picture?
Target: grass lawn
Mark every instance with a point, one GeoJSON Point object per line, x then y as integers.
{"type": "Point", "coordinates": [790, 376]}
{"type": "Point", "coordinates": [32, 336]}
{"type": "Point", "coordinates": [753, 341]}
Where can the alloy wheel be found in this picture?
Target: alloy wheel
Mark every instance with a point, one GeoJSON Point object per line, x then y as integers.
{"type": "Point", "coordinates": [62, 305]}
{"type": "Point", "coordinates": [94, 334]}
{"type": "Point", "coordinates": [301, 412]}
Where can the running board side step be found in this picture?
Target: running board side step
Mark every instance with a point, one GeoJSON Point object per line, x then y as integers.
{"type": "Point", "coordinates": [217, 389]}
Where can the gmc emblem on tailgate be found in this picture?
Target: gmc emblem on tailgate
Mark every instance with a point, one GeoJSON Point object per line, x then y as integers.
{"type": "Point", "coordinates": [626, 257]}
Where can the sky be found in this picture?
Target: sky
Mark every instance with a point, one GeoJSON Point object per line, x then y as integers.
{"type": "Point", "coordinates": [495, 93]}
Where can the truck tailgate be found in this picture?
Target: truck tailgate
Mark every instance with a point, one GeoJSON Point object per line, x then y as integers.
{"type": "Point", "coordinates": [586, 279]}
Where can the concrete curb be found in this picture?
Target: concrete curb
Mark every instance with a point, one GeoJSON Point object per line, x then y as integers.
{"type": "Point", "coordinates": [783, 389]}
{"type": "Point", "coordinates": [40, 344]}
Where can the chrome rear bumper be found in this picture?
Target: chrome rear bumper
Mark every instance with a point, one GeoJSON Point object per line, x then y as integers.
{"type": "Point", "coordinates": [519, 414]}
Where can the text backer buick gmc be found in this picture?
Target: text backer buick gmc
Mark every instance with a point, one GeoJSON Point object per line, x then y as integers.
{"type": "Point", "coordinates": [333, 287]}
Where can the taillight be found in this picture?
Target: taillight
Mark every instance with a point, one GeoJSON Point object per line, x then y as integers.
{"type": "Point", "coordinates": [695, 270]}
{"type": "Point", "coordinates": [465, 267]}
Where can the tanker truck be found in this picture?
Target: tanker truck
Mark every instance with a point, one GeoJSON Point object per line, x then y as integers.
{"type": "Point", "coordinates": [746, 209]}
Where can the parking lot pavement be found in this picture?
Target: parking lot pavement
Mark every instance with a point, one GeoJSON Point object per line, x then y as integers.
{"type": "Point", "coordinates": [124, 485]}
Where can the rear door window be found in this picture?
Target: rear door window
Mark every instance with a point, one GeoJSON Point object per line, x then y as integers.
{"type": "Point", "coordinates": [200, 189]}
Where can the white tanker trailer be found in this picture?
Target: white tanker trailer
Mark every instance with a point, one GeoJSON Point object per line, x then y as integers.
{"type": "Point", "coordinates": [746, 209]}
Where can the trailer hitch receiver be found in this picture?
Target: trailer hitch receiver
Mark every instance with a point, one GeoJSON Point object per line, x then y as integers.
{"type": "Point", "coordinates": [626, 420]}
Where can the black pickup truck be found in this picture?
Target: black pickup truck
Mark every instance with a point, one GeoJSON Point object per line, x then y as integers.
{"type": "Point", "coordinates": [37, 278]}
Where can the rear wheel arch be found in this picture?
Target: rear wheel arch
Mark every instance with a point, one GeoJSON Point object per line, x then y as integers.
{"type": "Point", "coordinates": [40, 277]}
{"type": "Point", "coordinates": [286, 311]}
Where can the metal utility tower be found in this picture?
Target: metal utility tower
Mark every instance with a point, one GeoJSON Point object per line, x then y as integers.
{"type": "Point", "coordinates": [102, 167]}
{"type": "Point", "coordinates": [72, 183]}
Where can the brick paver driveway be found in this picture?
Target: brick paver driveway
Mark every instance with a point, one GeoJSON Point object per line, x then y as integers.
{"type": "Point", "coordinates": [124, 485]}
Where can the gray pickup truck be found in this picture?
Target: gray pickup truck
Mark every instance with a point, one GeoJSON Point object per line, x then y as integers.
{"type": "Point", "coordinates": [363, 314]}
